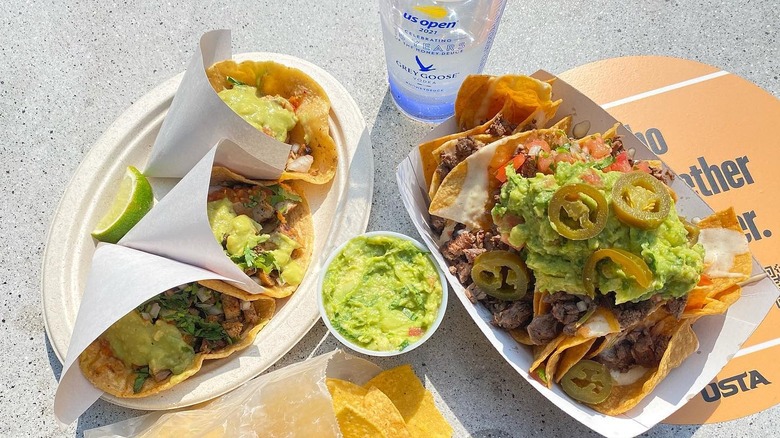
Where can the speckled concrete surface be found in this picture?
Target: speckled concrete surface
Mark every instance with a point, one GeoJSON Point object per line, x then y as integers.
{"type": "Point", "coordinates": [68, 69]}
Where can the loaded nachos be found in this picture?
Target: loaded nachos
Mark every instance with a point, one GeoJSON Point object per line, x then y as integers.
{"type": "Point", "coordinates": [575, 247]}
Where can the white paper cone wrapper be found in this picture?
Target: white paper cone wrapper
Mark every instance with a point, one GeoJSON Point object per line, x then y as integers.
{"type": "Point", "coordinates": [178, 226]}
{"type": "Point", "coordinates": [720, 337]}
{"type": "Point", "coordinates": [119, 280]}
{"type": "Point", "coordinates": [198, 119]}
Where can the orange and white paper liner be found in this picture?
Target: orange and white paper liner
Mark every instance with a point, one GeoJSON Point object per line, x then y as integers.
{"type": "Point", "coordinates": [198, 119]}
{"type": "Point", "coordinates": [720, 337]}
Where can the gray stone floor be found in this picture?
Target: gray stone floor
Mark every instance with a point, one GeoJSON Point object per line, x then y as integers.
{"type": "Point", "coordinates": [69, 69]}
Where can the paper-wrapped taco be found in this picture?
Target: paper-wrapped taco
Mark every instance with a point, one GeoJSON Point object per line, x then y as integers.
{"type": "Point", "coordinates": [166, 339]}
{"type": "Point", "coordinates": [286, 104]}
{"type": "Point", "coordinates": [265, 227]}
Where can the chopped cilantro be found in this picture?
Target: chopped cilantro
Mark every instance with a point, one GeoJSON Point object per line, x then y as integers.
{"type": "Point", "coordinates": [603, 163]}
{"type": "Point", "coordinates": [280, 194]}
{"type": "Point", "coordinates": [409, 314]}
{"type": "Point", "coordinates": [140, 377]}
{"type": "Point", "coordinates": [253, 201]}
{"type": "Point", "coordinates": [403, 345]}
{"type": "Point", "coordinates": [234, 81]}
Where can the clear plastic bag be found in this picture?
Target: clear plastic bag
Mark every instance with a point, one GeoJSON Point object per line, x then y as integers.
{"type": "Point", "coordinates": [292, 401]}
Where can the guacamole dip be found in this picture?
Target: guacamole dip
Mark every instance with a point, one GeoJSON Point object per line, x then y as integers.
{"type": "Point", "coordinates": [381, 292]}
{"type": "Point", "coordinates": [138, 342]}
{"type": "Point", "coordinates": [273, 115]}
{"type": "Point", "coordinates": [558, 263]}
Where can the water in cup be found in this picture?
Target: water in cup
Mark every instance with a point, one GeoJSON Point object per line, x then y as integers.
{"type": "Point", "coordinates": [431, 46]}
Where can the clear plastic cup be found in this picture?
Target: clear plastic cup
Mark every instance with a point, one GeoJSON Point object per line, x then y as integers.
{"type": "Point", "coordinates": [430, 48]}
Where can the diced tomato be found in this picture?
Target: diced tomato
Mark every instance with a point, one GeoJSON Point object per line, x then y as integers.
{"type": "Point", "coordinates": [621, 164]}
{"type": "Point", "coordinates": [543, 163]}
{"type": "Point", "coordinates": [517, 161]}
{"type": "Point", "coordinates": [564, 156]}
{"type": "Point", "coordinates": [705, 280]}
{"type": "Point", "coordinates": [596, 147]}
{"type": "Point", "coordinates": [591, 178]}
{"type": "Point", "coordinates": [643, 166]}
{"type": "Point", "coordinates": [415, 331]}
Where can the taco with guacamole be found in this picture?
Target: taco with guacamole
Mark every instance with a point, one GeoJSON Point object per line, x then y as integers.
{"type": "Point", "coordinates": [486, 109]}
{"type": "Point", "coordinates": [166, 339]}
{"type": "Point", "coordinates": [286, 104]}
{"type": "Point", "coordinates": [264, 227]}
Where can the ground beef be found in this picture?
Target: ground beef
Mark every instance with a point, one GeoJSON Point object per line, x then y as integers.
{"type": "Point", "coordinates": [617, 146]}
{"type": "Point", "coordinates": [618, 357]}
{"type": "Point", "coordinates": [528, 169]}
{"type": "Point", "coordinates": [648, 349]}
{"type": "Point", "coordinates": [676, 306]}
{"type": "Point", "coordinates": [566, 309]}
{"type": "Point", "coordinates": [638, 347]}
{"type": "Point", "coordinates": [450, 158]}
{"type": "Point", "coordinates": [461, 241]}
{"type": "Point", "coordinates": [462, 270]}
{"type": "Point", "coordinates": [544, 328]}
{"type": "Point", "coordinates": [475, 294]}
{"type": "Point", "coordinates": [438, 224]}
{"type": "Point", "coordinates": [513, 314]}
{"type": "Point", "coordinates": [628, 314]}
{"type": "Point", "coordinates": [662, 174]}
{"type": "Point", "coordinates": [500, 127]}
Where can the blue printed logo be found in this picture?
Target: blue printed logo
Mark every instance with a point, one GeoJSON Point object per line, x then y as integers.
{"type": "Point", "coordinates": [422, 66]}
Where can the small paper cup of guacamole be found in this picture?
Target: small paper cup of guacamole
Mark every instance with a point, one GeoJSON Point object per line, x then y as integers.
{"type": "Point", "coordinates": [382, 294]}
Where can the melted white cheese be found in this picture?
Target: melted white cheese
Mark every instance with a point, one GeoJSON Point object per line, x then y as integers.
{"type": "Point", "coordinates": [721, 245]}
{"type": "Point", "coordinates": [629, 377]}
{"type": "Point", "coordinates": [474, 196]}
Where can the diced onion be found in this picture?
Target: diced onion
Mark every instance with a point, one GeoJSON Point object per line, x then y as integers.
{"type": "Point", "coordinates": [534, 151]}
{"type": "Point", "coordinates": [582, 306]}
{"type": "Point", "coordinates": [295, 148]}
{"type": "Point", "coordinates": [145, 316]}
{"type": "Point", "coordinates": [301, 164]}
{"type": "Point", "coordinates": [203, 294]}
{"type": "Point", "coordinates": [245, 305]}
{"type": "Point", "coordinates": [155, 310]}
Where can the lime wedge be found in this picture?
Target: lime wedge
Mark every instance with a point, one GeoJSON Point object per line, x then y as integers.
{"type": "Point", "coordinates": [131, 203]}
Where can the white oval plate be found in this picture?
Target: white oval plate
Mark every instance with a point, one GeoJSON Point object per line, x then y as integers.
{"type": "Point", "coordinates": [340, 210]}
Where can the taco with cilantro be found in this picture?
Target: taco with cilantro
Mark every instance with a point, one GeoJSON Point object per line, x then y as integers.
{"type": "Point", "coordinates": [165, 340]}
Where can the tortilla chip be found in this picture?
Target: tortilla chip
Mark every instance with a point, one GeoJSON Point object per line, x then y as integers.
{"type": "Point", "coordinates": [111, 375]}
{"type": "Point", "coordinates": [450, 146]}
{"type": "Point", "coordinates": [713, 296]}
{"type": "Point", "coordinates": [481, 97]}
{"type": "Point", "coordinates": [570, 356]}
{"type": "Point", "coordinates": [521, 336]}
{"type": "Point", "coordinates": [353, 424]}
{"type": "Point", "coordinates": [542, 352]}
{"type": "Point", "coordinates": [298, 219]}
{"type": "Point", "coordinates": [383, 412]}
{"type": "Point", "coordinates": [564, 124]}
{"type": "Point", "coordinates": [338, 388]}
{"type": "Point", "coordinates": [311, 103]}
{"type": "Point", "coordinates": [682, 344]}
{"type": "Point", "coordinates": [430, 160]}
{"type": "Point", "coordinates": [413, 401]}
